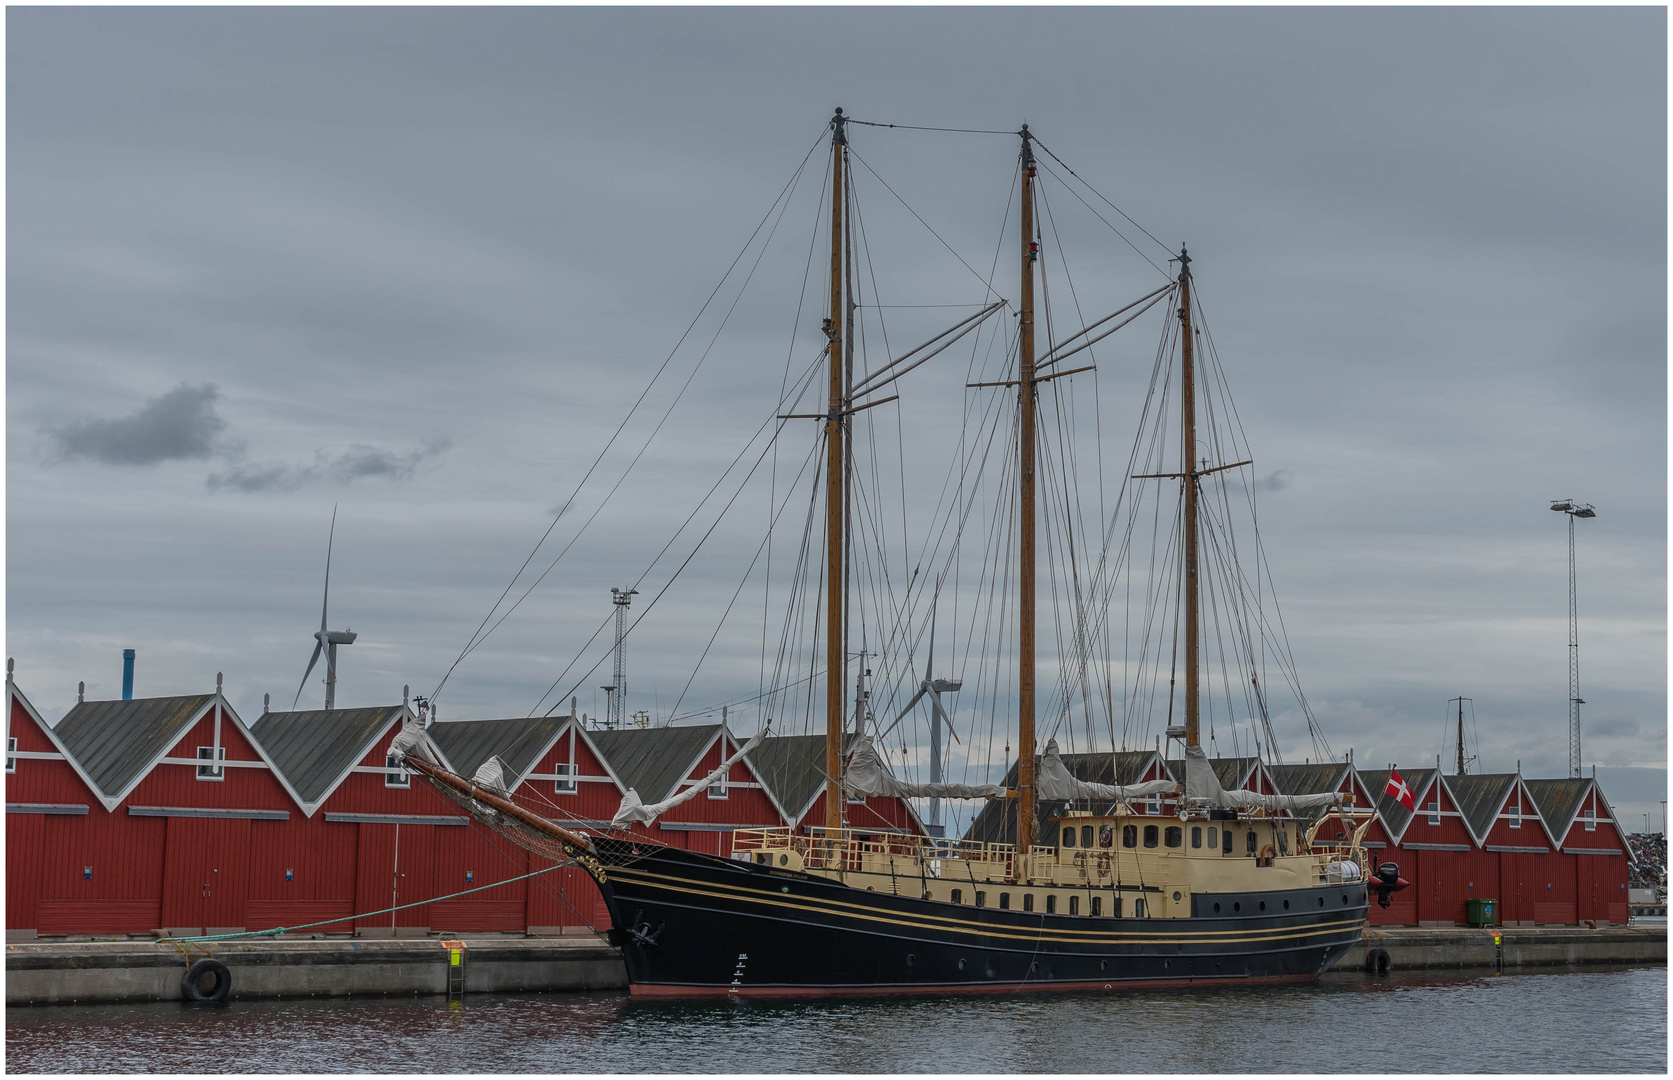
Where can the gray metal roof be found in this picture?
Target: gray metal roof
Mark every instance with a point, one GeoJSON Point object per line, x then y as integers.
{"type": "Point", "coordinates": [652, 761]}
{"type": "Point", "coordinates": [115, 741]}
{"type": "Point", "coordinates": [1395, 816]}
{"type": "Point", "coordinates": [793, 768]}
{"type": "Point", "coordinates": [518, 741]}
{"type": "Point", "coordinates": [996, 822]}
{"type": "Point", "coordinates": [1479, 796]}
{"type": "Point", "coordinates": [1309, 779]}
{"type": "Point", "coordinates": [1558, 801]}
{"type": "Point", "coordinates": [1230, 771]}
{"type": "Point", "coordinates": [315, 748]}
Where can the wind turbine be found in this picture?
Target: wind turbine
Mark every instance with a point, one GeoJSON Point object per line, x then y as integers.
{"type": "Point", "coordinates": [934, 688]}
{"type": "Point", "coordinates": [326, 641]}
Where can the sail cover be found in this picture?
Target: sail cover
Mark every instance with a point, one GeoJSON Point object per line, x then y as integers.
{"type": "Point", "coordinates": [1201, 785]}
{"type": "Point", "coordinates": [632, 809]}
{"type": "Point", "coordinates": [866, 775]}
{"type": "Point", "coordinates": [1054, 783]}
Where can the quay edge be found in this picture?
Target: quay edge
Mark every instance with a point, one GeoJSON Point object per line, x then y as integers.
{"type": "Point", "coordinates": [109, 972]}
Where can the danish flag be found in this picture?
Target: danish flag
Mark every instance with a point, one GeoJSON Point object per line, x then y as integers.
{"type": "Point", "coordinates": [1399, 792]}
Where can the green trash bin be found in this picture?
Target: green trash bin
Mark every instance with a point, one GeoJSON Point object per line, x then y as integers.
{"type": "Point", "coordinates": [1482, 912]}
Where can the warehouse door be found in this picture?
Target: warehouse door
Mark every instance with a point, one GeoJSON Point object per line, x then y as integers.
{"type": "Point", "coordinates": [206, 872]}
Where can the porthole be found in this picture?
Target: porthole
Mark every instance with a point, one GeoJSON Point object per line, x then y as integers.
{"type": "Point", "coordinates": [1263, 905]}
{"type": "Point", "coordinates": [1103, 965]}
{"type": "Point", "coordinates": [1286, 905]}
{"type": "Point", "coordinates": [1166, 964]}
{"type": "Point", "coordinates": [784, 860]}
{"type": "Point", "coordinates": [1321, 901]}
{"type": "Point", "coordinates": [870, 888]}
{"type": "Point", "coordinates": [961, 964]}
{"type": "Point", "coordinates": [786, 888]}
{"type": "Point", "coordinates": [1176, 894]}
{"type": "Point", "coordinates": [1032, 968]}
{"type": "Point", "coordinates": [911, 959]}
{"type": "Point", "coordinates": [1237, 905]}
{"type": "Point", "coordinates": [1344, 898]}
{"type": "Point", "coordinates": [926, 894]}
{"type": "Point", "coordinates": [1216, 907]}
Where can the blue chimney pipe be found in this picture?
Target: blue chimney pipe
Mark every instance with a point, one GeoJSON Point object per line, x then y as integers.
{"type": "Point", "coordinates": [127, 674]}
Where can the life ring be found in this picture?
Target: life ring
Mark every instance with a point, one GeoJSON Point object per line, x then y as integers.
{"type": "Point", "coordinates": [1377, 961]}
{"type": "Point", "coordinates": [1268, 853]}
{"type": "Point", "coordinates": [191, 986]}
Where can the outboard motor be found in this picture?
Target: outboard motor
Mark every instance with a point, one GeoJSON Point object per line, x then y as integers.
{"type": "Point", "coordinates": [1388, 882]}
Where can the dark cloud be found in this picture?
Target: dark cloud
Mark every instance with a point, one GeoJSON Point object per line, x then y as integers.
{"type": "Point", "coordinates": [179, 425]}
{"type": "Point", "coordinates": [1612, 724]}
{"type": "Point", "coordinates": [1276, 481]}
{"type": "Point", "coordinates": [357, 463]}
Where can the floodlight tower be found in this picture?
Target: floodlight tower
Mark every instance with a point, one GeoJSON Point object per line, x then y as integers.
{"type": "Point", "coordinates": [621, 598]}
{"type": "Point", "coordinates": [1573, 510]}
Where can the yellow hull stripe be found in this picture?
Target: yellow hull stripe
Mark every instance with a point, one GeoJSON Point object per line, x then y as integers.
{"type": "Point", "coordinates": [966, 926]}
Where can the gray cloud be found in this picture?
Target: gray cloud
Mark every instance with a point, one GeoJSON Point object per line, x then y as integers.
{"type": "Point", "coordinates": [1612, 724]}
{"type": "Point", "coordinates": [1276, 481]}
{"type": "Point", "coordinates": [358, 462]}
{"type": "Point", "coordinates": [180, 424]}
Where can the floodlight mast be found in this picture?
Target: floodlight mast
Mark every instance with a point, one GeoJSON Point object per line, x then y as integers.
{"type": "Point", "coordinates": [1573, 510]}
{"type": "Point", "coordinates": [616, 701]}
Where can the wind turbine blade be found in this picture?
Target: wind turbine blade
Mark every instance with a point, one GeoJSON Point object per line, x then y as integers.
{"type": "Point", "coordinates": [318, 647]}
{"type": "Point", "coordinates": [935, 700]}
{"type": "Point", "coordinates": [922, 690]}
{"type": "Point", "coordinates": [326, 603]}
{"type": "Point", "coordinates": [929, 661]}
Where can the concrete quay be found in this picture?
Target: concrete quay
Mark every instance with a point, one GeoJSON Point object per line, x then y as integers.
{"type": "Point", "coordinates": [99, 972]}
{"type": "Point", "coordinates": [1410, 948]}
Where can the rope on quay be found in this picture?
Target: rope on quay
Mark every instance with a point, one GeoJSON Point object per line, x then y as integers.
{"type": "Point", "coordinates": [364, 915]}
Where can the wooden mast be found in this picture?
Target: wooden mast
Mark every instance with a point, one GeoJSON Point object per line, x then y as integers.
{"type": "Point", "coordinates": [1025, 487]}
{"type": "Point", "coordinates": [835, 468]}
{"type": "Point", "coordinates": [1188, 473]}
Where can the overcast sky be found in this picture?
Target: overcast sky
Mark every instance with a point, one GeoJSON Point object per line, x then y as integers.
{"type": "Point", "coordinates": [419, 264]}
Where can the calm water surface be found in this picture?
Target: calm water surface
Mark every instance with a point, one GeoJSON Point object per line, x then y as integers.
{"type": "Point", "coordinates": [1553, 1021]}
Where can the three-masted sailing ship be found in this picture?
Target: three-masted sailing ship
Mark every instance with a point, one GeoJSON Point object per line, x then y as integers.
{"type": "Point", "coordinates": [1228, 887]}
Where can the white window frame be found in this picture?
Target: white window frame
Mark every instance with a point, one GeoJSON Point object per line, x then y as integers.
{"type": "Point", "coordinates": [212, 771]}
{"type": "Point", "coordinates": [396, 777]}
{"type": "Point", "coordinates": [718, 790]}
{"type": "Point", "coordinates": [1434, 811]}
{"type": "Point", "coordinates": [11, 753]}
{"type": "Point", "coordinates": [564, 780]}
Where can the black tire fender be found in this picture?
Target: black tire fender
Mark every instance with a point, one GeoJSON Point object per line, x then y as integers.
{"type": "Point", "coordinates": [1377, 961]}
{"type": "Point", "coordinates": [191, 985]}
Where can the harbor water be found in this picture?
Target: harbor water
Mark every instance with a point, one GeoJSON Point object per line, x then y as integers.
{"type": "Point", "coordinates": [1563, 1020]}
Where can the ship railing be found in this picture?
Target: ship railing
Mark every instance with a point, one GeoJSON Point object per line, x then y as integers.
{"type": "Point", "coordinates": [883, 853]}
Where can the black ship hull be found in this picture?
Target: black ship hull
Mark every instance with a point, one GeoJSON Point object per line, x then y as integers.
{"type": "Point", "coordinates": [693, 925]}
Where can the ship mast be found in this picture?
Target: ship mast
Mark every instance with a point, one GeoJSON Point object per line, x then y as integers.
{"type": "Point", "coordinates": [1025, 487]}
{"type": "Point", "coordinates": [1189, 473]}
{"type": "Point", "coordinates": [835, 470]}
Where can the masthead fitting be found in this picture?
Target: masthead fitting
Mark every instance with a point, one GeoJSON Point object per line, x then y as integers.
{"type": "Point", "coordinates": [839, 128]}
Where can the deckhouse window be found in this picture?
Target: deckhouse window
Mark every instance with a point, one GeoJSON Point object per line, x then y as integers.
{"type": "Point", "coordinates": [981, 898]}
{"type": "Point", "coordinates": [1004, 901]}
{"type": "Point", "coordinates": [1150, 834]}
{"type": "Point", "coordinates": [1196, 836]}
{"type": "Point", "coordinates": [1225, 841]}
{"type": "Point", "coordinates": [11, 753]}
{"type": "Point", "coordinates": [958, 896]}
{"type": "Point", "coordinates": [397, 777]}
{"type": "Point", "coordinates": [1106, 836]}
{"type": "Point", "coordinates": [1249, 844]}
{"type": "Point", "coordinates": [210, 755]}
{"type": "Point", "coordinates": [1138, 909]}
{"type": "Point", "coordinates": [1175, 836]}
{"type": "Point", "coordinates": [1028, 901]}
{"type": "Point", "coordinates": [1097, 906]}
{"type": "Point", "coordinates": [1068, 836]}
{"type": "Point", "coordinates": [1074, 905]}
{"type": "Point", "coordinates": [1086, 836]}
{"type": "Point", "coordinates": [565, 784]}
{"type": "Point", "coordinates": [1129, 836]}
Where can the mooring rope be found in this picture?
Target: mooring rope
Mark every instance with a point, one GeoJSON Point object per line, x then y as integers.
{"type": "Point", "coordinates": [364, 915]}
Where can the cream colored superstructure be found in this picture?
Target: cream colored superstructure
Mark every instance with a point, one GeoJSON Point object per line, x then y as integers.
{"type": "Point", "coordinates": [1151, 871]}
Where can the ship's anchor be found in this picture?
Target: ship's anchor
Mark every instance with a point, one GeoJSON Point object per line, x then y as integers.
{"type": "Point", "coordinates": [641, 931]}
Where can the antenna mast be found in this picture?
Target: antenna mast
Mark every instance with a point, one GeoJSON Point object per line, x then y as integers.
{"type": "Point", "coordinates": [616, 703]}
{"type": "Point", "coordinates": [835, 470]}
{"type": "Point", "coordinates": [1025, 488]}
{"type": "Point", "coordinates": [1573, 510]}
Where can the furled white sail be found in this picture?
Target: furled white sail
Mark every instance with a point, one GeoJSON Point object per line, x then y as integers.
{"type": "Point", "coordinates": [1053, 783]}
{"type": "Point", "coordinates": [866, 775]}
{"type": "Point", "coordinates": [491, 775]}
{"type": "Point", "coordinates": [632, 809]}
{"type": "Point", "coordinates": [1202, 786]}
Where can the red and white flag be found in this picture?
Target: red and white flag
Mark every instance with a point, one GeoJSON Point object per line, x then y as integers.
{"type": "Point", "coordinates": [1399, 792]}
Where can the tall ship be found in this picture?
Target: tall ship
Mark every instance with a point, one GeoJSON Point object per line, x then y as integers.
{"type": "Point", "coordinates": [1073, 883]}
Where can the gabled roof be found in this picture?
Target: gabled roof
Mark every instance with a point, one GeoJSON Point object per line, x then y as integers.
{"type": "Point", "coordinates": [792, 770]}
{"type": "Point", "coordinates": [1558, 802]}
{"type": "Point", "coordinates": [519, 742]}
{"type": "Point", "coordinates": [1309, 779]}
{"type": "Point", "coordinates": [1232, 772]}
{"type": "Point", "coordinates": [1479, 798]}
{"type": "Point", "coordinates": [1395, 817]}
{"type": "Point", "coordinates": [996, 822]}
{"type": "Point", "coordinates": [114, 744]}
{"type": "Point", "coordinates": [313, 751]}
{"type": "Point", "coordinates": [652, 761]}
